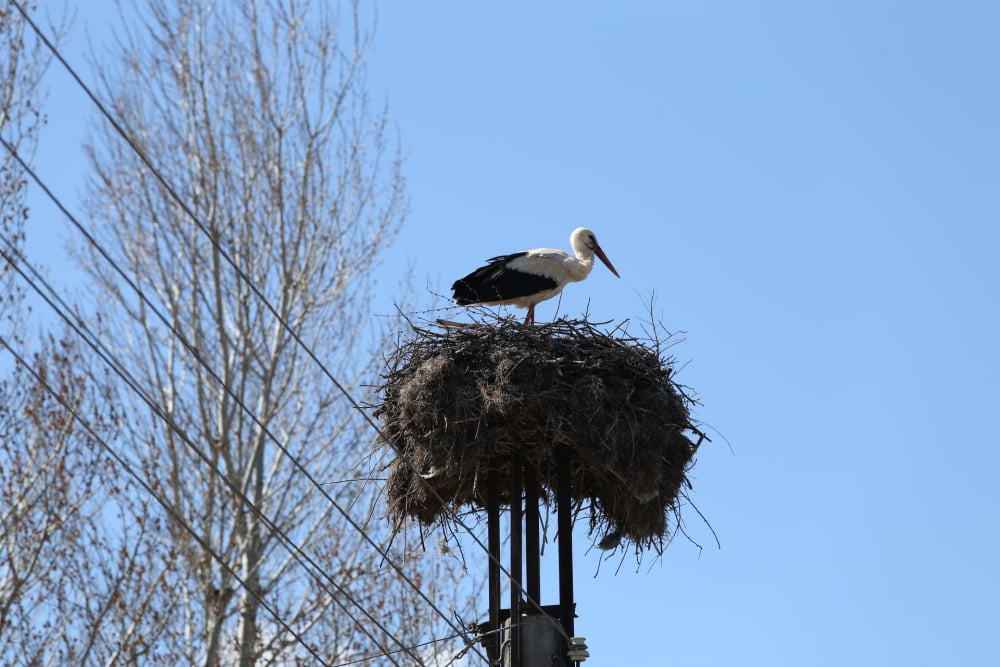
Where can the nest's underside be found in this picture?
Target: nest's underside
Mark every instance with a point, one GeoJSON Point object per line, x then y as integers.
{"type": "Point", "coordinates": [456, 401]}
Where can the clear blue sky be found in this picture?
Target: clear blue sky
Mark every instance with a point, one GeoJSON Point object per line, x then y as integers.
{"type": "Point", "coordinates": [812, 190]}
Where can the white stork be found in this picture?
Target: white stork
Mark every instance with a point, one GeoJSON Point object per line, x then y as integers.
{"type": "Point", "coordinates": [527, 278]}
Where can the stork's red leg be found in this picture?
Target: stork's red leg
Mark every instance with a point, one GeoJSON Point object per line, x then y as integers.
{"type": "Point", "coordinates": [530, 317]}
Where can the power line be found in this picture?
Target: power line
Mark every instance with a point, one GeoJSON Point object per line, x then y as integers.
{"type": "Point", "coordinates": [368, 658]}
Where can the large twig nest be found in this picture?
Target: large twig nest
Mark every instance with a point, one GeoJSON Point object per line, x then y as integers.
{"type": "Point", "coordinates": [456, 400]}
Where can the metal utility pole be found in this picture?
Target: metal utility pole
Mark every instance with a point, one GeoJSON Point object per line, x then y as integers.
{"type": "Point", "coordinates": [493, 545]}
{"type": "Point", "coordinates": [515, 561]}
{"type": "Point", "coordinates": [533, 635]}
{"type": "Point", "coordinates": [565, 513]}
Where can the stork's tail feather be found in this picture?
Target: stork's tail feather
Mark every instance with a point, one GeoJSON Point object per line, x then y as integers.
{"type": "Point", "coordinates": [465, 294]}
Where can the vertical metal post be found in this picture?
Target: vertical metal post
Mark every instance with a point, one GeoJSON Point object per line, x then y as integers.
{"type": "Point", "coordinates": [532, 552]}
{"type": "Point", "coordinates": [493, 545]}
{"type": "Point", "coordinates": [515, 560]}
{"type": "Point", "coordinates": [565, 514]}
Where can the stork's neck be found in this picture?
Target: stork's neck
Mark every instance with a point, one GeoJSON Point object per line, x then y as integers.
{"type": "Point", "coordinates": [580, 269]}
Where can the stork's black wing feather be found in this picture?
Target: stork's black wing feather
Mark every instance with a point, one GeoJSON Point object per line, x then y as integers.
{"type": "Point", "coordinates": [496, 281]}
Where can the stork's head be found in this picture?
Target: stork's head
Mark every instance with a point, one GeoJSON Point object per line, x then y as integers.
{"type": "Point", "coordinates": [584, 244]}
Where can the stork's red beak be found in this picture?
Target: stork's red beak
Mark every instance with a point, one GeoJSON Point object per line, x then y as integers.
{"type": "Point", "coordinates": [604, 258]}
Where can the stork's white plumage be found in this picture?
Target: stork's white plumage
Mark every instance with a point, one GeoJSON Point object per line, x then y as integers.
{"type": "Point", "coordinates": [527, 278]}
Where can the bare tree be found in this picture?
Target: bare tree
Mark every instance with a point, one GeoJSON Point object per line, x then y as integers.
{"type": "Point", "coordinates": [52, 492]}
{"type": "Point", "coordinates": [25, 529]}
{"type": "Point", "coordinates": [286, 188]}
{"type": "Point", "coordinates": [22, 64]}
{"type": "Point", "coordinates": [52, 476]}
